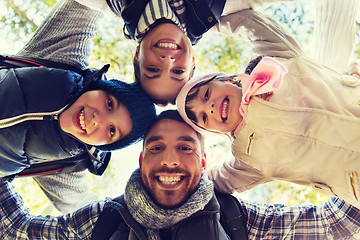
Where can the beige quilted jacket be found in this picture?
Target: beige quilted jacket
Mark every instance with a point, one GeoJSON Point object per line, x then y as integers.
{"type": "Point", "coordinates": [308, 132]}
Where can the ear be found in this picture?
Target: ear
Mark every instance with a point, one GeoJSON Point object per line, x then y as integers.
{"type": "Point", "coordinates": [136, 56]}
{"type": "Point", "coordinates": [203, 163]}
{"type": "Point", "coordinates": [140, 158]}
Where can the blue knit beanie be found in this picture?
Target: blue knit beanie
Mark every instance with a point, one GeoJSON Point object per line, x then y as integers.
{"type": "Point", "coordinates": [138, 103]}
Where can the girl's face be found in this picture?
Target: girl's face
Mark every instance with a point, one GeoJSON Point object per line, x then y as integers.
{"type": "Point", "coordinates": [96, 118]}
{"type": "Point", "coordinates": [216, 106]}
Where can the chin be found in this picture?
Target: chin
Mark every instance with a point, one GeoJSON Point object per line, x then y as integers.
{"type": "Point", "coordinates": [168, 205]}
{"type": "Point", "coordinates": [170, 202]}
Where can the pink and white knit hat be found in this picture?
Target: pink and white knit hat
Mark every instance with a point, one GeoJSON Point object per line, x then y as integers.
{"type": "Point", "coordinates": [181, 97]}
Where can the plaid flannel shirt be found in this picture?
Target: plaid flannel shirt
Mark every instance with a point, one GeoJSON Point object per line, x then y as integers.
{"type": "Point", "coordinates": [331, 220]}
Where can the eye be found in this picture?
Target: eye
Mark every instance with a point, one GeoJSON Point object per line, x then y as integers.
{"type": "Point", "coordinates": [185, 149]}
{"type": "Point", "coordinates": [110, 103]}
{"type": "Point", "coordinates": [156, 148]}
{"type": "Point", "coordinates": [112, 131]}
{"type": "Point", "coordinates": [178, 71]}
{"type": "Point", "coordinates": [204, 117]}
{"type": "Point", "coordinates": [207, 94]}
{"type": "Point", "coordinates": [152, 69]}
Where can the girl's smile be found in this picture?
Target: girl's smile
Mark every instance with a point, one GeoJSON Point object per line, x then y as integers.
{"type": "Point", "coordinates": [224, 109]}
{"type": "Point", "coordinates": [79, 120]}
{"type": "Point", "coordinates": [82, 120]}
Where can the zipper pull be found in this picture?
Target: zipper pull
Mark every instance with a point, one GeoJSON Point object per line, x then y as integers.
{"type": "Point", "coordinates": [51, 117]}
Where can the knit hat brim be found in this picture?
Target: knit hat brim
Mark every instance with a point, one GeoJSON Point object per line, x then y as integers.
{"type": "Point", "coordinates": [181, 98]}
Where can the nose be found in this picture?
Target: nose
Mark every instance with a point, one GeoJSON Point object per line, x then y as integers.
{"type": "Point", "coordinates": [210, 108]}
{"type": "Point", "coordinates": [167, 58]}
{"type": "Point", "coordinates": [97, 120]}
{"type": "Point", "coordinates": [170, 159]}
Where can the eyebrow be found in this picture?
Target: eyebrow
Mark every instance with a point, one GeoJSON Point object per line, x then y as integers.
{"type": "Point", "coordinates": [199, 116]}
{"type": "Point", "coordinates": [187, 139]}
{"type": "Point", "coordinates": [157, 76]}
{"type": "Point", "coordinates": [117, 106]}
{"type": "Point", "coordinates": [195, 115]}
{"type": "Point", "coordinates": [177, 79]}
{"type": "Point", "coordinates": [153, 77]}
{"type": "Point", "coordinates": [157, 138]}
{"type": "Point", "coordinates": [153, 139]}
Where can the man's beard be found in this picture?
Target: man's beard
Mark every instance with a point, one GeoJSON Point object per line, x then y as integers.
{"type": "Point", "coordinates": [185, 193]}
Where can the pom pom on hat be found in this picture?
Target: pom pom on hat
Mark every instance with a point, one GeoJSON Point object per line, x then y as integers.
{"type": "Point", "coordinates": [139, 105]}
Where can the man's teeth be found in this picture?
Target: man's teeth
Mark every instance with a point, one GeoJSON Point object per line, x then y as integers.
{"type": "Point", "coordinates": [167, 45]}
{"type": "Point", "coordinates": [169, 180]}
{"type": "Point", "coordinates": [225, 105]}
{"type": "Point", "coordinates": [82, 120]}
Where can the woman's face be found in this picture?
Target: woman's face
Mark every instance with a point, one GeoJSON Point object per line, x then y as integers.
{"type": "Point", "coordinates": [97, 118]}
{"type": "Point", "coordinates": [166, 61]}
{"type": "Point", "coordinates": [217, 105]}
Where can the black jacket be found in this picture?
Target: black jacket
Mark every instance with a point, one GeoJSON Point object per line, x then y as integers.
{"type": "Point", "coordinates": [37, 140]}
{"type": "Point", "coordinates": [116, 222]}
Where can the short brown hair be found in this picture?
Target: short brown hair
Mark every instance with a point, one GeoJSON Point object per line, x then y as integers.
{"type": "Point", "coordinates": [174, 115]}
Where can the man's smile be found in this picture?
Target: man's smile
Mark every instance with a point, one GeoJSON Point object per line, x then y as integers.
{"type": "Point", "coordinates": [169, 181]}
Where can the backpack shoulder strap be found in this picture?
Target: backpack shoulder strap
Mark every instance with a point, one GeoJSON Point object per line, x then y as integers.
{"type": "Point", "coordinates": [232, 217]}
{"type": "Point", "coordinates": [12, 61]}
{"type": "Point", "coordinates": [108, 222]}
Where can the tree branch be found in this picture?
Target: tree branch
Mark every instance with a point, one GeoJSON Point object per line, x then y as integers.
{"type": "Point", "coordinates": [19, 13]}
